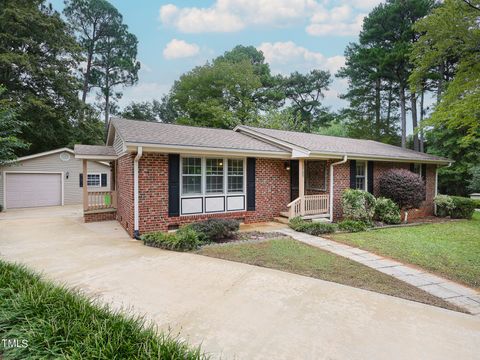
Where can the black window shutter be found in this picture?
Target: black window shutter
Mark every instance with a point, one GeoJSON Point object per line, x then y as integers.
{"type": "Point", "coordinates": [104, 180]}
{"type": "Point", "coordinates": [424, 172]}
{"type": "Point", "coordinates": [412, 167]}
{"type": "Point", "coordinates": [370, 177]}
{"type": "Point", "coordinates": [173, 185]}
{"type": "Point", "coordinates": [353, 173]}
{"type": "Point", "coordinates": [251, 184]}
{"type": "Point", "coordinates": [80, 179]}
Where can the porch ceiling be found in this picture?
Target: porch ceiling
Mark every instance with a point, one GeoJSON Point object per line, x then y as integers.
{"type": "Point", "coordinates": [95, 152]}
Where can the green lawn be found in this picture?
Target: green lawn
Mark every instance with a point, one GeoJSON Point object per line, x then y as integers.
{"type": "Point", "coordinates": [450, 249]}
{"type": "Point", "coordinates": [58, 323]}
{"type": "Point", "coordinates": [292, 256]}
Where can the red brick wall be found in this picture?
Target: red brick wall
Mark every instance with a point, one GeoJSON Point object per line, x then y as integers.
{"type": "Point", "coordinates": [272, 194]}
{"type": "Point", "coordinates": [99, 216]}
{"type": "Point", "coordinates": [342, 182]}
{"type": "Point", "coordinates": [124, 186]}
{"type": "Point", "coordinates": [315, 172]}
{"type": "Point", "coordinates": [272, 190]}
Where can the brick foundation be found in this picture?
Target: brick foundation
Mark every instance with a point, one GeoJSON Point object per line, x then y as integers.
{"type": "Point", "coordinates": [99, 216]}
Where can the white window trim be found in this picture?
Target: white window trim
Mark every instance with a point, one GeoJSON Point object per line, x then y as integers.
{"type": "Point", "coordinates": [204, 194]}
{"type": "Point", "coordinates": [99, 180]}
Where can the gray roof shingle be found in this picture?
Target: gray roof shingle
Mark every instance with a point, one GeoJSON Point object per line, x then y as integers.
{"type": "Point", "coordinates": [179, 135]}
{"type": "Point", "coordinates": [339, 145]}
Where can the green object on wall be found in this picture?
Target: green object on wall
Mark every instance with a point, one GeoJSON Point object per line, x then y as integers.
{"type": "Point", "coordinates": [108, 199]}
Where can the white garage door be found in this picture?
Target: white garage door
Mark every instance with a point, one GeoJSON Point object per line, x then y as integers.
{"type": "Point", "coordinates": [31, 190]}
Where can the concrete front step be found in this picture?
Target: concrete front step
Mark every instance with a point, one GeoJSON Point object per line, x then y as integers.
{"type": "Point", "coordinates": [281, 219]}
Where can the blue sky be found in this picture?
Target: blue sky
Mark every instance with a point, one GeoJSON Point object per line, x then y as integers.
{"type": "Point", "coordinates": [295, 35]}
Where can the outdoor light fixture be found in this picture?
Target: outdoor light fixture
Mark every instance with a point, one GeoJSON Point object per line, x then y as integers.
{"type": "Point", "coordinates": [287, 165]}
{"type": "Point", "coordinates": [67, 174]}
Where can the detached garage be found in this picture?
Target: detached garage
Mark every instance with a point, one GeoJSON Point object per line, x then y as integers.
{"type": "Point", "coordinates": [51, 178]}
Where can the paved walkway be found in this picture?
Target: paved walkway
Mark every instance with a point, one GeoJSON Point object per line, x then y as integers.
{"type": "Point", "coordinates": [447, 290]}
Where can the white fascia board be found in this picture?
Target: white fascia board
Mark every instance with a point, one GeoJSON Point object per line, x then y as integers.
{"type": "Point", "coordinates": [269, 139]}
{"type": "Point", "coordinates": [97, 157]}
{"type": "Point", "coordinates": [46, 153]}
{"type": "Point", "coordinates": [184, 149]}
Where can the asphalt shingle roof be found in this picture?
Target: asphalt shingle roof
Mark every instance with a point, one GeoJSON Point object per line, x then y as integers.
{"type": "Point", "coordinates": [339, 145]}
{"type": "Point", "coordinates": [179, 135]}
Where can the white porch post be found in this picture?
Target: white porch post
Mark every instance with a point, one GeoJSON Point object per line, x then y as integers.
{"type": "Point", "coordinates": [301, 185]}
{"type": "Point", "coordinates": [85, 184]}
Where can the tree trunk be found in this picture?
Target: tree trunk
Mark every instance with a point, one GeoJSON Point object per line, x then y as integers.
{"type": "Point", "coordinates": [389, 107]}
{"type": "Point", "coordinates": [403, 117]}
{"type": "Point", "coordinates": [413, 102]}
{"type": "Point", "coordinates": [87, 77]}
{"type": "Point", "coordinates": [377, 109]}
{"type": "Point", "coordinates": [422, 140]}
{"type": "Point", "coordinates": [441, 71]}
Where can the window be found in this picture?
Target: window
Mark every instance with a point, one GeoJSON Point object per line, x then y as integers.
{"type": "Point", "coordinates": [191, 176]}
{"type": "Point", "coordinates": [93, 180]}
{"type": "Point", "coordinates": [235, 176]}
{"type": "Point", "coordinates": [360, 176]}
{"type": "Point", "coordinates": [417, 169]}
{"type": "Point", "coordinates": [214, 176]}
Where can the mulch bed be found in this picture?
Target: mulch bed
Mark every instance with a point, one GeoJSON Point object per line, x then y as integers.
{"type": "Point", "coordinates": [249, 236]}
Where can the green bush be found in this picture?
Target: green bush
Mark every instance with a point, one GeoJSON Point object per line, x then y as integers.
{"type": "Point", "coordinates": [358, 205]}
{"type": "Point", "coordinates": [444, 204]}
{"type": "Point", "coordinates": [387, 211]}
{"type": "Point", "coordinates": [312, 228]}
{"type": "Point", "coordinates": [352, 226]}
{"type": "Point", "coordinates": [59, 323]}
{"type": "Point", "coordinates": [464, 208]}
{"type": "Point", "coordinates": [183, 239]}
{"type": "Point", "coordinates": [215, 229]}
{"type": "Point", "coordinates": [475, 201]}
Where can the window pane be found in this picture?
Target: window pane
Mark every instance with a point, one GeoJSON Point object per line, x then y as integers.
{"type": "Point", "coordinates": [235, 184]}
{"type": "Point", "coordinates": [93, 179]}
{"type": "Point", "coordinates": [214, 172]}
{"type": "Point", "coordinates": [360, 169]}
{"type": "Point", "coordinates": [360, 183]}
{"type": "Point", "coordinates": [214, 167]}
{"type": "Point", "coordinates": [235, 176]}
{"type": "Point", "coordinates": [191, 184]}
{"type": "Point", "coordinates": [235, 167]}
{"type": "Point", "coordinates": [192, 166]}
{"type": "Point", "coordinates": [214, 184]}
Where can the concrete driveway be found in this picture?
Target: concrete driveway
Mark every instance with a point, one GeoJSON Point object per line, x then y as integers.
{"type": "Point", "coordinates": [234, 310]}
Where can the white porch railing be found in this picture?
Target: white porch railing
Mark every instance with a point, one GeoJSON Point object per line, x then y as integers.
{"type": "Point", "coordinates": [309, 205]}
{"type": "Point", "coordinates": [102, 200]}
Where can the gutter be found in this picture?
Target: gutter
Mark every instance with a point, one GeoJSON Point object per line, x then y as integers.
{"type": "Point", "coordinates": [331, 184]}
{"type": "Point", "coordinates": [136, 233]}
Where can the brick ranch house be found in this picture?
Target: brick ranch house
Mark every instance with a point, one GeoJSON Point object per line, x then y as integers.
{"type": "Point", "coordinates": [166, 175]}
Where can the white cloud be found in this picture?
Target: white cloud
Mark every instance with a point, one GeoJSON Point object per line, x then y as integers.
{"type": "Point", "coordinates": [285, 56]}
{"type": "Point", "coordinates": [177, 49]}
{"type": "Point", "coordinates": [328, 26]}
{"type": "Point", "coordinates": [235, 15]}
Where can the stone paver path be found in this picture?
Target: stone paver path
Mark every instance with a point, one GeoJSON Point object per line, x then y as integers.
{"type": "Point", "coordinates": [447, 290]}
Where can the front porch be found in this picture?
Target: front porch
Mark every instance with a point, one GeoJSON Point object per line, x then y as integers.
{"type": "Point", "coordinates": [98, 205]}
{"type": "Point", "coordinates": [310, 191]}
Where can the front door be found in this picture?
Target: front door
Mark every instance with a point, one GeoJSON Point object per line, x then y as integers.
{"type": "Point", "coordinates": [293, 179]}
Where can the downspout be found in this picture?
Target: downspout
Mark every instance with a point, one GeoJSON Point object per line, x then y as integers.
{"type": "Point", "coordinates": [331, 184]}
{"type": "Point", "coordinates": [136, 233]}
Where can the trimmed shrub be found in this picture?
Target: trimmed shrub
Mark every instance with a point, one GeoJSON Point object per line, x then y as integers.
{"type": "Point", "coordinates": [352, 226]}
{"type": "Point", "coordinates": [475, 201]}
{"type": "Point", "coordinates": [403, 187]}
{"type": "Point", "coordinates": [183, 239]}
{"type": "Point", "coordinates": [312, 228]}
{"type": "Point", "coordinates": [215, 229]}
{"type": "Point", "coordinates": [463, 208]}
{"type": "Point", "coordinates": [387, 211]}
{"type": "Point", "coordinates": [358, 205]}
{"type": "Point", "coordinates": [444, 204]}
